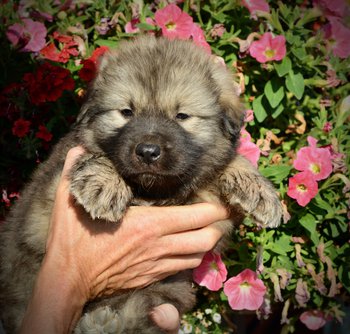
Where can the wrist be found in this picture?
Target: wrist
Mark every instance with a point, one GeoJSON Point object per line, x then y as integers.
{"type": "Point", "coordinates": [56, 303]}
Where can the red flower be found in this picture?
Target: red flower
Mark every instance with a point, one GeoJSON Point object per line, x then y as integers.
{"type": "Point", "coordinates": [69, 48]}
{"type": "Point", "coordinates": [21, 127]}
{"type": "Point", "coordinates": [47, 83]}
{"type": "Point", "coordinates": [88, 71]}
{"type": "Point", "coordinates": [43, 133]}
{"type": "Point", "coordinates": [302, 187]}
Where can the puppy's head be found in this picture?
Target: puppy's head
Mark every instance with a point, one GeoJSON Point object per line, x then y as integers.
{"type": "Point", "coordinates": [165, 113]}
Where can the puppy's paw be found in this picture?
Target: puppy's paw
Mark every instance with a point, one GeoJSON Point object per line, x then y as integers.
{"type": "Point", "coordinates": [101, 320]}
{"type": "Point", "coordinates": [96, 185]}
{"type": "Point", "coordinates": [242, 185]}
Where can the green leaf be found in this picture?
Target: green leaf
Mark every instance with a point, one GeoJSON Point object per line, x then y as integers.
{"type": "Point", "coordinates": [146, 26]}
{"type": "Point", "coordinates": [295, 84]}
{"type": "Point", "coordinates": [309, 223]}
{"type": "Point", "coordinates": [280, 246]}
{"type": "Point", "coordinates": [276, 173]}
{"type": "Point", "coordinates": [344, 271]}
{"type": "Point", "coordinates": [106, 42]}
{"type": "Point", "coordinates": [278, 111]}
{"type": "Point", "coordinates": [283, 67]}
{"type": "Point", "coordinates": [259, 110]}
{"type": "Point", "coordinates": [274, 92]}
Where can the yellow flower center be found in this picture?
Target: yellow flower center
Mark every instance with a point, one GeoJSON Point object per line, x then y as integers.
{"type": "Point", "coordinates": [315, 168]}
{"type": "Point", "coordinates": [245, 285]}
{"type": "Point", "coordinates": [214, 266]}
{"type": "Point", "coordinates": [170, 25]}
{"type": "Point", "coordinates": [301, 187]}
{"type": "Point", "coordinates": [270, 53]}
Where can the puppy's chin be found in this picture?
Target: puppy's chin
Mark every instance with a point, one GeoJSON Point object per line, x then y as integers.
{"type": "Point", "coordinates": [157, 186]}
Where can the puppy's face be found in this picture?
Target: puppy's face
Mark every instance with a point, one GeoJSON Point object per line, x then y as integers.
{"type": "Point", "coordinates": [165, 114]}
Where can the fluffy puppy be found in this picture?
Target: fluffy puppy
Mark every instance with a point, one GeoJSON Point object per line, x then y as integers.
{"type": "Point", "coordinates": [160, 126]}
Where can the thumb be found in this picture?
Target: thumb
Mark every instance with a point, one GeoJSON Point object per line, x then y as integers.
{"type": "Point", "coordinates": [167, 317]}
{"type": "Point", "coordinates": [71, 158]}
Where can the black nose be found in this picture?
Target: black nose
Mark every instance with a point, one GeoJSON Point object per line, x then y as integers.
{"type": "Point", "coordinates": [148, 153]}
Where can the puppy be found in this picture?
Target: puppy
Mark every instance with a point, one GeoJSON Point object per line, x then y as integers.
{"type": "Point", "coordinates": [160, 126]}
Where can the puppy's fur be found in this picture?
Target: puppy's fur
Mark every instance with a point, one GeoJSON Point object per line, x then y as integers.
{"type": "Point", "coordinates": [160, 127]}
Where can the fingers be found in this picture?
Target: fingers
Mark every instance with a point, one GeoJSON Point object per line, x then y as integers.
{"type": "Point", "coordinates": [167, 317]}
{"type": "Point", "coordinates": [192, 242]}
{"type": "Point", "coordinates": [174, 219]}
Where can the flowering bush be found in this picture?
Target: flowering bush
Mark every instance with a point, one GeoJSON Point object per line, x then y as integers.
{"type": "Point", "coordinates": [291, 61]}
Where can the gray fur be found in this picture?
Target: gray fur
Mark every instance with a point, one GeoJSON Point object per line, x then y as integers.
{"type": "Point", "coordinates": [157, 79]}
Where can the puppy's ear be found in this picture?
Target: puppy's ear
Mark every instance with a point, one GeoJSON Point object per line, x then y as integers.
{"type": "Point", "coordinates": [231, 107]}
{"type": "Point", "coordinates": [101, 64]}
{"type": "Point", "coordinates": [232, 112]}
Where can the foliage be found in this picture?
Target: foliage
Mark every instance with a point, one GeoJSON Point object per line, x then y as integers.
{"type": "Point", "coordinates": [297, 87]}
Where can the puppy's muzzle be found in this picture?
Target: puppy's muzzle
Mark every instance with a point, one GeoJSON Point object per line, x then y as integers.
{"type": "Point", "coordinates": [148, 152]}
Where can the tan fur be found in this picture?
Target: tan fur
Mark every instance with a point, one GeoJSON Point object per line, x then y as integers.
{"type": "Point", "coordinates": [159, 81]}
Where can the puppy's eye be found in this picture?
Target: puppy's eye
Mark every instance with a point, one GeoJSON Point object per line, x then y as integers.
{"type": "Point", "coordinates": [182, 116]}
{"type": "Point", "coordinates": [127, 112]}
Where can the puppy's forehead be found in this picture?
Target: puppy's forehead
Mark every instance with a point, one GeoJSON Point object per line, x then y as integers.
{"type": "Point", "coordinates": [165, 76]}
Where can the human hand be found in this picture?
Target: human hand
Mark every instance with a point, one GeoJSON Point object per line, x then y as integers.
{"type": "Point", "coordinates": [86, 259]}
{"type": "Point", "coordinates": [149, 244]}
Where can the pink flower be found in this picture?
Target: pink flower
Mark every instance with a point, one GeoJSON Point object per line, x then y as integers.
{"type": "Point", "coordinates": [314, 319]}
{"type": "Point", "coordinates": [327, 127]}
{"type": "Point", "coordinates": [174, 22]}
{"type": "Point", "coordinates": [199, 38]}
{"type": "Point", "coordinates": [340, 36]}
{"type": "Point", "coordinates": [337, 8]}
{"type": "Point", "coordinates": [131, 27]}
{"type": "Point", "coordinates": [256, 5]}
{"type": "Point", "coordinates": [211, 272]}
{"type": "Point", "coordinates": [248, 149]}
{"type": "Point", "coordinates": [316, 160]}
{"type": "Point", "coordinates": [249, 116]}
{"type": "Point", "coordinates": [268, 48]}
{"type": "Point", "coordinates": [245, 291]}
{"type": "Point", "coordinates": [28, 36]}
{"type": "Point", "coordinates": [302, 187]}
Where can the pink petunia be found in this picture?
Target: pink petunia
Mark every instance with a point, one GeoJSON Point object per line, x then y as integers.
{"type": "Point", "coordinates": [248, 149]}
{"type": "Point", "coordinates": [174, 22]}
{"type": "Point", "coordinates": [28, 36]}
{"type": "Point", "coordinates": [302, 187]}
{"type": "Point", "coordinates": [316, 160]}
{"type": "Point", "coordinates": [199, 38]}
{"type": "Point", "coordinates": [268, 48]}
{"type": "Point", "coordinates": [338, 8]}
{"type": "Point", "coordinates": [211, 273]}
{"type": "Point", "coordinates": [131, 26]}
{"type": "Point", "coordinates": [255, 6]}
{"type": "Point", "coordinates": [249, 116]}
{"type": "Point", "coordinates": [245, 291]}
{"type": "Point", "coordinates": [339, 38]}
{"type": "Point", "coordinates": [314, 319]}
